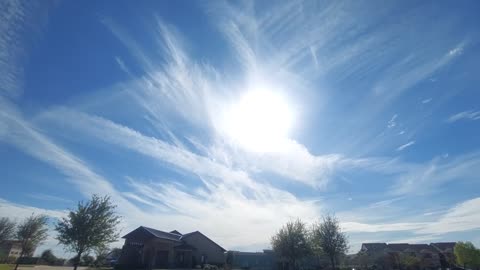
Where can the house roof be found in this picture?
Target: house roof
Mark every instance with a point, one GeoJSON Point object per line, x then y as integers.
{"type": "Point", "coordinates": [197, 232]}
{"type": "Point", "coordinates": [443, 246]}
{"type": "Point", "coordinates": [172, 236]}
{"type": "Point", "coordinates": [399, 247]}
{"type": "Point", "coordinates": [142, 231]}
{"type": "Point", "coordinates": [422, 248]}
{"type": "Point", "coordinates": [373, 247]}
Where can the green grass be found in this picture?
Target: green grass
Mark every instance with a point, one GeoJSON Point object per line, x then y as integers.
{"type": "Point", "coordinates": [6, 266]}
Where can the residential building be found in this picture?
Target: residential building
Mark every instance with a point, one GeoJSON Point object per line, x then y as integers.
{"type": "Point", "coordinates": [150, 248]}
{"type": "Point", "coordinates": [393, 256]}
{"type": "Point", "coordinates": [265, 260]}
{"type": "Point", "coordinates": [13, 249]}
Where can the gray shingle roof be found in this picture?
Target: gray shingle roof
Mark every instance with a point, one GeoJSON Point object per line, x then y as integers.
{"type": "Point", "coordinates": [163, 235]}
{"type": "Point", "coordinates": [374, 247]}
{"type": "Point", "coordinates": [400, 247]}
{"type": "Point", "coordinates": [443, 246]}
{"type": "Point", "coordinates": [175, 236]}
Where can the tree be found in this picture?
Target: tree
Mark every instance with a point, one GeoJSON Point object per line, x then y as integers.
{"type": "Point", "coordinates": [48, 257]}
{"type": "Point", "coordinates": [87, 260]}
{"type": "Point", "coordinates": [291, 242]}
{"type": "Point", "coordinates": [31, 232]}
{"type": "Point", "coordinates": [407, 261]}
{"type": "Point", "coordinates": [115, 253]}
{"type": "Point", "coordinates": [7, 229]}
{"type": "Point", "coordinates": [327, 238]}
{"type": "Point", "coordinates": [92, 225]}
{"type": "Point", "coordinates": [101, 254]}
{"type": "Point", "coordinates": [467, 255]}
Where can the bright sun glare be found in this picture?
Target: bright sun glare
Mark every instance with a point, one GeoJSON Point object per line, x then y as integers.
{"type": "Point", "coordinates": [260, 121]}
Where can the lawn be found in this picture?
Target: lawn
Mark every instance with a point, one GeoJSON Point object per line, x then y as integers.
{"type": "Point", "coordinates": [6, 266]}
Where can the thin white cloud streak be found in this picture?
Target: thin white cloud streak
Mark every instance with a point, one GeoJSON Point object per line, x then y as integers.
{"type": "Point", "coordinates": [18, 212]}
{"type": "Point", "coordinates": [286, 35]}
{"type": "Point", "coordinates": [392, 123]}
{"type": "Point", "coordinates": [402, 147]}
{"type": "Point", "coordinates": [12, 16]}
{"type": "Point", "coordinates": [387, 227]}
{"type": "Point", "coordinates": [188, 89]}
{"type": "Point", "coordinates": [425, 101]}
{"type": "Point", "coordinates": [26, 138]}
{"type": "Point", "coordinates": [465, 115]}
{"type": "Point", "coordinates": [233, 193]}
{"type": "Point", "coordinates": [464, 216]}
{"type": "Point", "coordinates": [21, 23]}
{"type": "Point", "coordinates": [430, 176]}
{"type": "Point", "coordinates": [46, 197]}
{"type": "Point", "coordinates": [196, 93]}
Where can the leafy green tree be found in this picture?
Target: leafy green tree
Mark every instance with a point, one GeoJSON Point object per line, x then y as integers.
{"type": "Point", "coordinates": [467, 255]}
{"type": "Point", "coordinates": [115, 253]}
{"type": "Point", "coordinates": [291, 242]}
{"type": "Point", "coordinates": [328, 238]}
{"type": "Point", "coordinates": [92, 225]}
{"type": "Point", "coordinates": [48, 257]}
{"type": "Point", "coordinates": [101, 254]}
{"type": "Point", "coordinates": [408, 261]}
{"type": "Point", "coordinates": [31, 232]}
{"type": "Point", "coordinates": [87, 260]}
{"type": "Point", "coordinates": [7, 229]}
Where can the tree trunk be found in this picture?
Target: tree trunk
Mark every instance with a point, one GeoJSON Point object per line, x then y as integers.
{"type": "Point", "coordinates": [77, 260]}
{"type": "Point", "coordinates": [332, 260]}
{"type": "Point", "coordinates": [18, 259]}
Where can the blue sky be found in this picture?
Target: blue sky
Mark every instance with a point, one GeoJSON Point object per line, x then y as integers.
{"type": "Point", "coordinates": [234, 117]}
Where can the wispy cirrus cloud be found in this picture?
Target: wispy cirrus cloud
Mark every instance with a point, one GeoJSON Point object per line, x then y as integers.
{"type": "Point", "coordinates": [224, 190]}
{"type": "Point", "coordinates": [430, 176]}
{"type": "Point", "coordinates": [46, 197]}
{"type": "Point", "coordinates": [465, 115]}
{"type": "Point", "coordinates": [21, 24]}
{"type": "Point", "coordinates": [404, 146]}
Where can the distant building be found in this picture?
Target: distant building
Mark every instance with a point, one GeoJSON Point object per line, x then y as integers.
{"type": "Point", "coordinates": [149, 248]}
{"type": "Point", "coordinates": [13, 248]}
{"type": "Point", "coordinates": [251, 260]}
{"type": "Point", "coordinates": [389, 256]}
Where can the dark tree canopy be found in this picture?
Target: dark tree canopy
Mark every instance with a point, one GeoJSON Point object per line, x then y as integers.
{"type": "Point", "coordinates": [48, 257]}
{"type": "Point", "coordinates": [92, 225]}
{"type": "Point", "coordinates": [328, 238]}
{"type": "Point", "coordinates": [31, 232]}
{"type": "Point", "coordinates": [7, 229]}
{"type": "Point", "coordinates": [291, 242]}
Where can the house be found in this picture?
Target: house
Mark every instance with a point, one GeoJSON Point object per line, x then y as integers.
{"type": "Point", "coordinates": [445, 251]}
{"type": "Point", "coordinates": [428, 256]}
{"type": "Point", "coordinates": [13, 248]}
{"type": "Point", "coordinates": [150, 248]}
{"type": "Point", "coordinates": [265, 260]}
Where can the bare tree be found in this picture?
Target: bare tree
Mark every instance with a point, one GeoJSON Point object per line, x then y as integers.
{"type": "Point", "coordinates": [291, 242]}
{"type": "Point", "coordinates": [327, 238]}
{"type": "Point", "coordinates": [31, 232]}
{"type": "Point", "coordinates": [7, 229]}
{"type": "Point", "coordinates": [91, 225]}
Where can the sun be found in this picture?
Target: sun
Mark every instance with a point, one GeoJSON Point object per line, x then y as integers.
{"type": "Point", "coordinates": [260, 121]}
